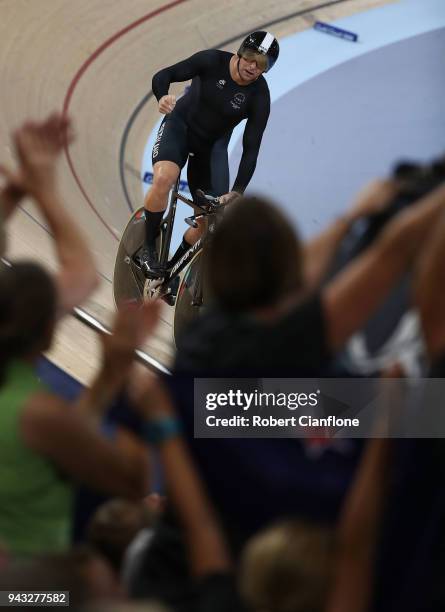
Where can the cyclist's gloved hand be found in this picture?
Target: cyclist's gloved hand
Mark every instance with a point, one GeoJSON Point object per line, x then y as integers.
{"type": "Point", "coordinates": [167, 104]}
{"type": "Point", "coordinates": [229, 197]}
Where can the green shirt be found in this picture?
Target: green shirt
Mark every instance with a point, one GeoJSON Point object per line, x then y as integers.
{"type": "Point", "coordinates": [35, 503]}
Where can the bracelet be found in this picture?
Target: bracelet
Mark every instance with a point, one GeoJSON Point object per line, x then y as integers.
{"type": "Point", "coordinates": [161, 429]}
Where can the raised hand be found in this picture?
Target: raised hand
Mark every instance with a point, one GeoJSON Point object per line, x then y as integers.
{"type": "Point", "coordinates": [131, 327]}
{"type": "Point", "coordinates": [38, 146]}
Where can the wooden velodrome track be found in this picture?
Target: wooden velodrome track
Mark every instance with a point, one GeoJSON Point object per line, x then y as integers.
{"type": "Point", "coordinates": [96, 58]}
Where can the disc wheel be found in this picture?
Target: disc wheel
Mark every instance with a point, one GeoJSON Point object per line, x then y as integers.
{"type": "Point", "coordinates": [128, 278]}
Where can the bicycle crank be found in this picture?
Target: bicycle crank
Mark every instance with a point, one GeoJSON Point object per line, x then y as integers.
{"type": "Point", "coordinates": [152, 288]}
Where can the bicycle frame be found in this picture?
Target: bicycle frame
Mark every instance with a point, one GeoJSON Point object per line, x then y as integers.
{"type": "Point", "coordinates": [170, 274]}
{"type": "Point", "coordinates": [163, 256]}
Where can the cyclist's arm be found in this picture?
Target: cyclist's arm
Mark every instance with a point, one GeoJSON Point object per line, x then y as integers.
{"type": "Point", "coordinates": [193, 66]}
{"type": "Point", "coordinates": [219, 163]}
{"type": "Point", "coordinates": [253, 134]}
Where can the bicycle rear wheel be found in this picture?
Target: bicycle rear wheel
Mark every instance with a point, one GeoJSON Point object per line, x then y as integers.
{"type": "Point", "coordinates": [128, 278]}
{"type": "Point", "coordinates": [191, 297]}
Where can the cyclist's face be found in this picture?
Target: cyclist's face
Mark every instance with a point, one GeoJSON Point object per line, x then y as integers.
{"type": "Point", "coordinates": [251, 65]}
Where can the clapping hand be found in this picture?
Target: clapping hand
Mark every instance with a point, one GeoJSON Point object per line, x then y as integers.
{"type": "Point", "coordinates": [38, 146]}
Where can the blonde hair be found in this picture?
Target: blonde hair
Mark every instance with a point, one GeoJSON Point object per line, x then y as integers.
{"type": "Point", "coordinates": [287, 568]}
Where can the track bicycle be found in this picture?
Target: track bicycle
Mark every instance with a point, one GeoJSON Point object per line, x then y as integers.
{"type": "Point", "coordinates": [182, 285]}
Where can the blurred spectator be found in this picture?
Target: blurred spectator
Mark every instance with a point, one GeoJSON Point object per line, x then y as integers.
{"type": "Point", "coordinates": [10, 196]}
{"type": "Point", "coordinates": [45, 443]}
{"type": "Point", "coordinates": [265, 286]}
{"type": "Point", "coordinates": [430, 298]}
{"type": "Point", "coordinates": [393, 331]}
{"type": "Point", "coordinates": [257, 330]}
{"type": "Point", "coordinates": [42, 439]}
{"type": "Point", "coordinates": [297, 342]}
{"type": "Point", "coordinates": [302, 567]}
{"type": "Point", "coordinates": [209, 583]}
{"type": "Point", "coordinates": [115, 525]}
{"type": "Point", "coordinates": [288, 568]}
{"type": "Point", "coordinates": [84, 574]}
{"type": "Point", "coordinates": [134, 554]}
{"type": "Point", "coordinates": [38, 146]}
{"type": "Point", "coordinates": [296, 566]}
{"type": "Point", "coordinates": [410, 568]}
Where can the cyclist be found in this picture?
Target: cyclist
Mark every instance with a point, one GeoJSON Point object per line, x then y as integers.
{"type": "Point", "coordinates": [226, 88]}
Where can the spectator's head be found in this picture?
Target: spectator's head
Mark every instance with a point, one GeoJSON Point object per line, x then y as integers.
{"type": "Point", "coordinates": [287, 568]}
{"type": "Point", "coordinates": [114, 525]}
{"type": "Point", "coordinates": [28, 302]}
{"type": "Point", "coordinates": [255, 257]}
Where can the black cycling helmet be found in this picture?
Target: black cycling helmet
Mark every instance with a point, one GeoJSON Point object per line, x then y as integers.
{"type": "Point", "coordinates": [263, 43]}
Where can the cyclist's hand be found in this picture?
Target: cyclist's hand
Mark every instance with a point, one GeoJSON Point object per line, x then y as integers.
{"type": "Point", "coordinates": [167, 104]}
{"type": "Point", "coordinates": [229, 197]}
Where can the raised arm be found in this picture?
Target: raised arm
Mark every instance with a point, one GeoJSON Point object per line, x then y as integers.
{"type": "Point", "coordinates": [70, 435]}
{"type": "Point", "coordinates": [182, 71]}
{"type": "Point", "coordinates": [429, 290]}
{"type": "Point", "coordinates": [131, 327]}
{"type": "Point", "coordinates": [205, 542]}
{"type": "Point", "coordinates": [10, 196]}
{"type": "Point", "coordinates": [319, 251]}
{"type": "Point", "coordinates": [38, 146]}
{"type": "Point", "coordinates": [358, 530]}
{"type": "Point", "coordinates": [354, 294]}
{"type": "Point", "coordinates": [50, 427]}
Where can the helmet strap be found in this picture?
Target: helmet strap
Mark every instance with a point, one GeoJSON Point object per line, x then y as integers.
{"type": "Point", "coordinates": [237, 67]}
